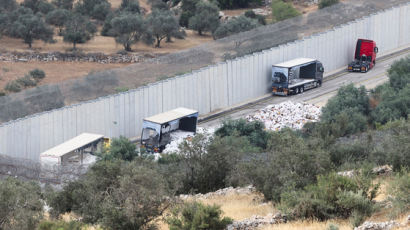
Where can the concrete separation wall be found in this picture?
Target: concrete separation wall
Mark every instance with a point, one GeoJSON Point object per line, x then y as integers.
{"type": "Point", "coordinates": [206, 90]}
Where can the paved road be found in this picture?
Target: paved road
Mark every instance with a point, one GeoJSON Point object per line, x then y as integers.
{"type": "Point", "coordinates": [319, 96]}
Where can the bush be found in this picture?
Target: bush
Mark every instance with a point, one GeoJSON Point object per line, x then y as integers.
{"type": "Point", "coordinates": [254, 131]}
{"type": "Point", "coordinates": [26, 81]}
{"type": "Point", "coordinates": [332, 196]}
{"type": "Point", "coordinates": [20, 204]}
{"type": "Point", "coordinates": [122, 149]}
{"type": "Point", "coordinates": [232, 4]}
{"type": "Point", "coordinates": [13, 86]}
{"type": "Point", "coordinates": [37, 74]}
{"type": "Point", "coordinates": [326, 3]}
{"type": "Point", "coordinates": [251, 14]}
{"type": "Point", "coordinates": [60, 225]}
{"type": "Point", "coordinates": [399, 190]}
{"type": "Point", "coordinates": [116, 195]}
{"type": "Point", "coordinates": [2, 94]}
{"type": "Point", "coordinates": [290, 163]}
{"type": "Point", "coordinates": [197, 216]}
{"type": "Point", "coordinates": [399, 73]}
{"type": "Point", "coordinates": [282, 11]}
{"type": "Point", "coordinates": [202, 165]}
{"type": "Point", "coordinates": [347, 97]}
{"type": "Point", "coordinates": [235, 25]}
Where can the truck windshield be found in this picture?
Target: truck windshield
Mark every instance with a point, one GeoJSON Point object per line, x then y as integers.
{"type": "Point", "coordinates": [150, 137]}
{"type": "Point", "coordinates": [279, 77]}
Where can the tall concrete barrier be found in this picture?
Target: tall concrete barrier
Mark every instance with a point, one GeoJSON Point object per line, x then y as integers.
{"type": "Point", "coordinates": [208, 89]}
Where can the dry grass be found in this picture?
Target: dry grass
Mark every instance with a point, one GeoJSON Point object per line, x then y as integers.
{"type": "Point", "coordinates": [55, 71]}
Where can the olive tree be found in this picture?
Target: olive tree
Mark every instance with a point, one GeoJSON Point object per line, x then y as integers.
{"type": "Point", "coordinates": [78, 29]}
{"type": "Point", "coordinates": [58, 18]}
{"type": "Point", "coordinates": [163, 24]}
{"type": "Point", "coordinates": [30, 27]}
{"type": "Point", "coordinates": [206, 17]}
{"type": "Point", "coordinates": [128, 29]}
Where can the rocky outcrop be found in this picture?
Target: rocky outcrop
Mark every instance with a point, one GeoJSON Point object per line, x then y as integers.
{"type": "Point", "coordinates": [380, 170]}
{"type": "Point", "coordinates": [74, 57]}
{"type": "Point", "coordinates": [377, 226]}
{"type": "Point", "coordinates": [257, 221]}
{"type": "Point", "coordinates": [221, 192]}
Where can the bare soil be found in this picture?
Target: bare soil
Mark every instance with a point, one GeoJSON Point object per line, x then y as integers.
{"type": "Point", "coordinates": [55, 71]}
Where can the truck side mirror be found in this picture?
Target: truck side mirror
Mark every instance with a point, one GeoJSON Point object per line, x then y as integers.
{"type": "Point", "coordinates": [321, 69]}
{"type": "Point", "coordinates": [376, 50]}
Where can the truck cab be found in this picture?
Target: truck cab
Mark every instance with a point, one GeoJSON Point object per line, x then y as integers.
{"type": "Point", "coordinates": [364, 57]}
{"type": "Point", "coordinates": [157, 129]}
{"type": "Point", "coordinates": [296, 76]}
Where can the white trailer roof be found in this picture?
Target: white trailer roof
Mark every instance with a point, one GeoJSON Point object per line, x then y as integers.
{"type": "Point", "coordinates": [71, 145]}
{"type": "Point", "coordinates": [295, 62]}
{"type": "Point", "coordinates": [171, 115]}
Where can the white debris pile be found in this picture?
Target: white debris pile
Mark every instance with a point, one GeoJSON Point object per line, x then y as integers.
{"type": "Point", "coordinates": [286, 114]}
{"type": "Point", "coordinates": [179, 136]}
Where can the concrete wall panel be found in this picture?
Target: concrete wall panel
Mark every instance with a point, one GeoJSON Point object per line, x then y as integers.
{"type": "Point", "coordinates": [206, 90]}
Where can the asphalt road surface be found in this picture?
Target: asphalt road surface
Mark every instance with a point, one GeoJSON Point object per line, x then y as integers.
{"type": "Point", "coordinates": [317, 96]}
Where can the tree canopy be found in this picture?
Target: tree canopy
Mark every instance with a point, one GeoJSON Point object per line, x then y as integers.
{"type": "Point", "coordinates": [206, 18]}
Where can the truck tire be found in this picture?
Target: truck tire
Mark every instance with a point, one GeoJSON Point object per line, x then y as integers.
{"type": "Point", "coordinates": [302, 89]}
{"type": "Point", "coordinates": [297, 90]}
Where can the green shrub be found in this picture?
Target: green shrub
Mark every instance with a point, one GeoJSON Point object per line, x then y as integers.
{"type": "Point", "coordinates": [254, 131]}
{"type": "Point", "coordinates": [121, 148]}
{"type": "Point", "coordinates": [235, 25]}
{"type": "Point", "coordinates": [26, 81]}
{"type": "Point", "coordinates": [60, 225]}
{"type": "Point", "coordinates": [2, 93]}
{"type": "Point", "coordinates": [251, 14]}
{"type": "Point", "coordinates": [399, 190]}
{"type": "Point", "coordinates": [20, 204]}
{"type": "Point", "coordinates": [347, 98]}
{"type": "Point", "coordinates": [115, 195]}
{"type": "Point", "coordinates": [37, 74]}
{"type": "Point", "coordinates": [326, 3]}
{"type": "Point", "coordinates": [13, 86]}
{"type": "Point", "coordinates": [332, 196]}
{"type": "Point", "coordinates": [290, 163]}
{"type": "Point", "coordinates": [197, 216]}
{"type": "Point", "coordinates": [282, 10]}
{"type": "Point", "coordinates": [332, 227]}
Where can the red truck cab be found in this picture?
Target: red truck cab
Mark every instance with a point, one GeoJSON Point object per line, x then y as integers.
{"type": "Point", "coordinates": [364, 57]}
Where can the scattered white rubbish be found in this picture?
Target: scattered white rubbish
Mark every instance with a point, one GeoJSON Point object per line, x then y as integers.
{"type": "Point", "coordinates": [286, 114]}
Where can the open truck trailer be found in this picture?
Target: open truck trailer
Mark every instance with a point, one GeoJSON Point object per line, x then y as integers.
{"type": "Point", "coordinates": [296, 76]}
{"type": "Point", "coordinates": [156, 130]}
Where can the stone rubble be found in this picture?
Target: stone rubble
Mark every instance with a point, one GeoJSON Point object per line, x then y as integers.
{"type": "Point", "coordinates": [380, 170]}
{"type": "Point", "coordinates": [73, 57]}
{"type": "Point", "coordinates": [221, 192]}
{"type": "Point", "coordinates": [377, 226]}
{"type": "Point", "coordinates": [286, 114]}
{"type": "Point", "coordinates": [256, 221]}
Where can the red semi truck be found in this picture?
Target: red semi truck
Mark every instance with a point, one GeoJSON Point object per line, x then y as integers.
{"type": "Point", "coordinates": [365, 56]}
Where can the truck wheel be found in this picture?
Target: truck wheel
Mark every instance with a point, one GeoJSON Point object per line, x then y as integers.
{"type": "Point", "coordinates": [302, 89]}
{"type": "Point", "coordinates": [319, 83]}
{"type": "Point", "coordinates": [297, 91]}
